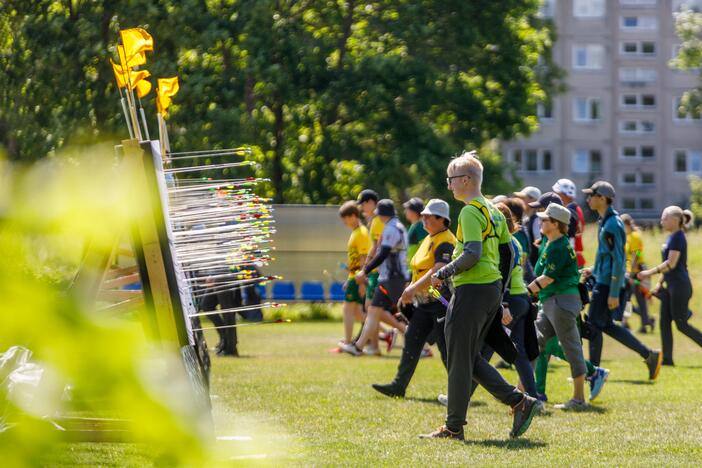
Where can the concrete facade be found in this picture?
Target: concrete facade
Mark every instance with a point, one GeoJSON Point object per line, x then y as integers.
{"type": "Point", "coordinates": [618, 119]}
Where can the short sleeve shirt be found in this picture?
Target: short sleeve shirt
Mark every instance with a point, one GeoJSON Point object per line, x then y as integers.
{"type": "Point", "coordinates": [517, 285]}
{"type": "Point", "coordinates": [472, 223]}
{"type": "Point", "coordinates": [676, 241]}
{"type": "Point", "coordinates": [415, 235]}
{"type": "Point", "coordinates": [359, 245]}
{"type": "Point", "coordinates": [633, 248]}
{"type": "Point", "coordinates": [395, 265]}
{"type": "Point", "coordinates": [376, 228]}
{"type": "Point", "coordinates": [557, 261]}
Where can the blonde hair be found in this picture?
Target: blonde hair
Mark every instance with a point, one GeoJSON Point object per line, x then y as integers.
{"type": "Point", "coordinates": [685, 217]}
{"type": "Point", "coordinates": [629, 221]}
{"type": "Point", "coordinates": [469, 164]}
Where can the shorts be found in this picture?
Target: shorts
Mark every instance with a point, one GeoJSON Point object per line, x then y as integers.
{"type": "Point", "coordinates": [372, 284]}
{"type": "Point", "coordinates": [352, 294]}
{"type": "Point", "coordinates": [388, 293]}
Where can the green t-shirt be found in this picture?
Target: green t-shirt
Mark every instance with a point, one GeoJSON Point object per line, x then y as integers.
{"type": "Point", "coordinates": [516, 285]}
{"type": "Point", "coordinates": [415, 235]}
{"type": "Point", "coordinates": [523, 240]}
{"type": "Point", "coordinates": [472, 224]}
{"type": "Point", "coordinates": [557, 260]}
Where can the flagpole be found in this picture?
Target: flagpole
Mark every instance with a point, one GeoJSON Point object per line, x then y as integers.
{"type": "Point", "coordinates": [124, 112]}
{"type": "Point", "coordinates": [143, 118]}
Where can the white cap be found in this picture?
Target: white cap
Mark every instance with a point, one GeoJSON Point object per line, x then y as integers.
{"type": "Point", "coordinates": [557, 212]}
{"type": "Point", "coordinates": [529, 191]}
{"type": "Point", "coordinates": [566, 187]}
{"type": "Point", "coordinates": [498, 199]}
{"type": "Point", "coordinates": [437, 207]}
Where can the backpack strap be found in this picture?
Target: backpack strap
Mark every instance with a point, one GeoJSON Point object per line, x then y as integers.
{"type": "Point", "coordinates": [490, 230]}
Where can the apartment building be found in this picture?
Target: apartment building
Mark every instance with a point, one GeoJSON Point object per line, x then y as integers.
{"type": "Point", "coordinates": [619, 119]}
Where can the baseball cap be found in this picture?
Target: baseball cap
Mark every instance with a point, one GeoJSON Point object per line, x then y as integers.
{"type": "Point", "coordinates": [385, 207]}
{"type": "Point", "coordinates": [415, 204]}
{"type": "Point", "coordinates": [565, 186]}
{"type": "Point", "coordinates": [545, 200]}
{"type": "Point", "coordinates": [437, 207]}
{"type": "Point", "coordinates": [528, 192]}
{"type": "Point", "coordinates": [601, 188]}
{"type": "Point", "coordinates": [557, 212]}
{"type": "Point", "coordinates": [366, 195]}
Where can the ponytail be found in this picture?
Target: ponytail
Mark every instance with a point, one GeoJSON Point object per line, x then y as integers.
{"type": "Point", "coordinates": [688, 220]}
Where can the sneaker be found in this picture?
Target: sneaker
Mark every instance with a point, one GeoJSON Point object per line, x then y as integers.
{"type": "Point", "coordinates": [597, 381]}
{"type": "Point", "coordinates": [571, 405]}
{"type": "Point", "coordinates": [523, 412]}
{"type": "Point", "coordinates": [389, 390]}
{"type": "Point", "coordinates": [540, 407]}
{"type": "Point", "coordinates": [390, 338]}
{"type": "Point", "coordinates": [654, 361]}
{"type": "Point", "coordinates": [350, 348]}
{"type": "Point", "coordinates": [368, 351]}
{"type": "Point", "coordinates": [542, 397]}
{"type": "Point", "coordinates": [443, 399]}
{"type": "Point", "coordinates": [426, 352]}
{"type": "Point", "coordinates": [443, 432]}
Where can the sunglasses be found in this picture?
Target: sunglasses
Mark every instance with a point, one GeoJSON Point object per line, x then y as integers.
{"type": "Point", "coordinates": [448, 179]}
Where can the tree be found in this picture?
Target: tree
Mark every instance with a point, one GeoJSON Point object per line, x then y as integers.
{"type": "Point", "coordinates": [688, 26]}
{"type": "Point", "coordinates": [334, 95]}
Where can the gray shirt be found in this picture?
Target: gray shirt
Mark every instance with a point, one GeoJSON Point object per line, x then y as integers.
{"type": "Point", "coordinates": [395, 265]}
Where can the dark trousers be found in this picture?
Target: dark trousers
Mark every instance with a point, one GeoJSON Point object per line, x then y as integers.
{"type": "Point", "coordinates": [421, 325]}
{"type": "Point", "coordinates": [519, 308]}
{"type": "Point", "coordinates": [600, 317]}
{"type": "Point", "coordinates": [642, 303]}
{"type": "Point", "coordinates": [468, 319]}
{"type": "Point", "coordinates": [674, 308]}
{"type": "Point", "coordinates": [226, 300]}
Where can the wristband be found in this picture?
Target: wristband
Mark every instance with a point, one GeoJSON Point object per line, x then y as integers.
{"type": "Point", "coordinates": [538, 284]}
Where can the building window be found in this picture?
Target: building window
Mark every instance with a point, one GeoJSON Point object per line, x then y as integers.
{"type": "Point", "coordinates": [587, 161]}
{"type": "Point", "coordinates": [648, 178]}
{"type": "Point", "coordinates": [644, 151]}
{"type": "Point", "coordinates": [638, 3]}
{"type": "Point", "coordinates": [586, 109]}
{"type": "Point", "coordinates": [683, 5]}
{"type": "Point", "coordinates": [687, 161]}
{"type": "Point", "coordinates": [637, 76]}
{"type": "Point", "coordinates": [638, 48]}
{"type": "Point", "coordinates": [647, 204]}
{"type": "Point", "coordinates": [547, 9]}
{"type": "Point", "coordinates": [533, 160]}
{"type": "Point", "coordinates": [629, 179]}
{"type": "Point", "coordinates": [638, 101]}
{"type": "Point", "coordinates": [588, 8]}
{"type": "Point", "coordinates": [680, 114]}
{"type": "Point", "coordinates": [629, 203]}
{"type": "Point", "coordinates": [588, 57]}
{"type": "Point", "coordinates": [636, 23]}
{"type": "Point", "coordinates": [544, 110]}
{"type": "Point", "coordinates": [637, 127]}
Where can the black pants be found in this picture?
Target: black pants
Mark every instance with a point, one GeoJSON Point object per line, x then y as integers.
{"type": "Point", "coordinates": [600, 317]}
{"type": "Point", "coordinates": [226, 300]}
{"type": "Point", "coordinates": [642, 304]}
{"type": "Point", "coordinates": [674, 308]}
{"type": "Point", "coordinates": [468, 319]}
{"type": "Point", "coordinates": [421, 325]}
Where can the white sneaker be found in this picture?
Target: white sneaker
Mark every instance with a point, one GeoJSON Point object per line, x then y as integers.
{"type": "Point", "coordinates": [350, 348]}
{"type": "Point", "coordinates": [426, 353]}
{"type": "Point", "coordinates": [368, 351]}
{"type": "Point", "coordinates": [443, 399]}
{"type": "Point", "coordinates": [572, 405]}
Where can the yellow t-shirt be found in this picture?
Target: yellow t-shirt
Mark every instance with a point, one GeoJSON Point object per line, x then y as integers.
{"type": "Point", "coordinates": [359, 245]}
{"type": "Point", "coordinates": [433, 249]}
{"type": "Point", "coordinates": [634, 246]}
{"type": "Point", "coordinates": [376, 228]}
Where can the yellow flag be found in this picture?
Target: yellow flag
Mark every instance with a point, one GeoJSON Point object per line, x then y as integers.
{"type": "Point", "coordinates": [136, 78]}
{"type": "Point", "coordinates": [136, 41]}
{"type": "Point", "coordinates": [167, 88]}
{"type": "Point", "coordinates": [135, 60]}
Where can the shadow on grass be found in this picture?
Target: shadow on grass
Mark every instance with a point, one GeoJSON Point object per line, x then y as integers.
{"type": "Point", "coordinates": [510, 444]}
{"type": "Point", "coordinates": [473, 404]}
{"type": "Point", "coordinates": [633, 381]}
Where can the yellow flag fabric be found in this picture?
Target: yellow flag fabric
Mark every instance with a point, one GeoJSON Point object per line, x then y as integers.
{"type": "Point", "coordinates": [135, 60]}
{"type": "Point", "coordinates": [136, 78]}
{"type": "Point", "coordinates": [167, 88]}
{"type": "Point", "coordinates": [136, 41]}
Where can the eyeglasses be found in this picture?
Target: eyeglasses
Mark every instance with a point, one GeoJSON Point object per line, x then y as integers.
{"type": "Point", "coordinates": [448, 179]}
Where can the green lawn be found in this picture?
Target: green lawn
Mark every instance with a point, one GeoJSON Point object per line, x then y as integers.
{"type": "Point", "coordinates": [290, 401]}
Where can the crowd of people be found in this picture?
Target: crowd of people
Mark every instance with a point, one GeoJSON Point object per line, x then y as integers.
{"type": "Point", "coordinates": [512, 280]}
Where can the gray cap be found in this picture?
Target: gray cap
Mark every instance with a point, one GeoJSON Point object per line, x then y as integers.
{"type": "Point", "coordinates": [557, 212]}
{"type": "Point", "coordinates": [545, 200]}
{"type": "Point", "coordinates": [528, 191]}
{"type": "Point", "coordinates": [385, 207]}
{"type": "Point", "coordinates": [601, 188]}
{"type": "Point", "coordinates": [437, 207]}
{"type": "Point", "coordinates": [415, 204]}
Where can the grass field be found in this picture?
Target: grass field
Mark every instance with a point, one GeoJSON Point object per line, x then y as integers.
{"type": "Point", "coordinates": [290, 401]}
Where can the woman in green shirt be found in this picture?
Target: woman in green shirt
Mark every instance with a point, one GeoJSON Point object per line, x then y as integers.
{"type": "Point", "coordinates": [556, 284]}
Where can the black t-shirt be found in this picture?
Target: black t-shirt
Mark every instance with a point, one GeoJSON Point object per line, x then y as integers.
{"type": "Point", "coordinates": [573, 224]}
{"type": "Point", "coordinates": [676, 241]}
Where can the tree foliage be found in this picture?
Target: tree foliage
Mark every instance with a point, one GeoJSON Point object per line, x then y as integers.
{"type": "Point", "coordinates": [688, 26]}
{"type": "Point", "coordinates": [334, 95]}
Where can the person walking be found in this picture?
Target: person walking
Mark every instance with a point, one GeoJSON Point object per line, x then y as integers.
{"type": "Point", "coordinates": [416, 232]}
{"type": "Point", "coordinates": [433, 253]}
{"type": "Point", "coordinates": [481, 264]}
{"type": "Point", "coordinates": [674, 288]}
{"type": "Point", "coordinates": [566, 190]}
{"type": "Point", "coordinates": [608, 273]}
{"type": "Point", "coordinates": [634, 264]}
